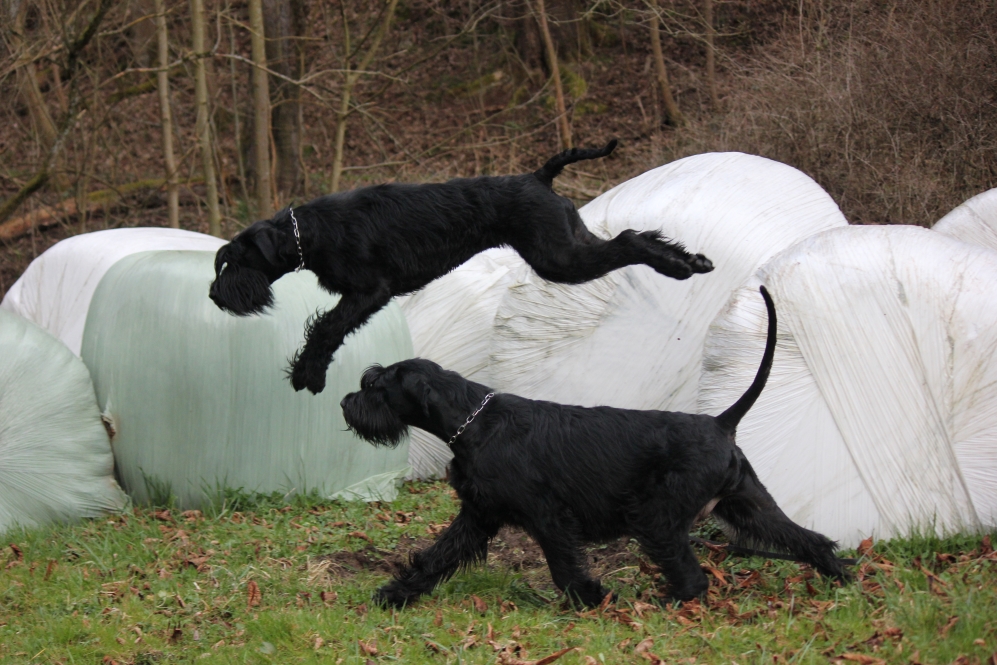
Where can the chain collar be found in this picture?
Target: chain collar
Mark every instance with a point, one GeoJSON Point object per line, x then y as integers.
{"type": "Point", "coordinates": [297, 239]}
{"type": "Point", "coordinates": [467, 422]}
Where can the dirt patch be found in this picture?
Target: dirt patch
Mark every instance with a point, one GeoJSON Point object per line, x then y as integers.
{"type": "Point", "coordinates": [512, 549]}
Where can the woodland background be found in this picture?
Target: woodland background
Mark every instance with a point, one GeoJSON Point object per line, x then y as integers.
{"type": "Point", "coordinates": [890, 106]}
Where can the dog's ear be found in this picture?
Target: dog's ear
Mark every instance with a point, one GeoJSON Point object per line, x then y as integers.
{"type": "Point", "coordinates": [424, 399]}
{"type": "Point", "coordinates": [267, 240]}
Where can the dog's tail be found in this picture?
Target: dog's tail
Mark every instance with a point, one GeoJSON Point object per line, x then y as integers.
{"type": "Point", "coordinates": [729, 419]}
{"type": "Point", "coordinates": [556, 164]}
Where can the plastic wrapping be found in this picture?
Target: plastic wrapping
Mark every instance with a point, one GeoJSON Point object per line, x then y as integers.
{"type": "Point", "coordinates": [451, 321]}
{"type": "Point", "coordinates": [199, 399]}
{"type": "Point", "coordinates": [880, 414]}
{"type": "Point", "coordinates": [634, 338]}
{"type": "Point", "coordinates": [55, 291]}
{"type": "Point", "coordinates": [974, 221]}
{"type": "Point", "coordinates": [55, 457]}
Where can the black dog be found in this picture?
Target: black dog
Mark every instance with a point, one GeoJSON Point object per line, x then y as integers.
{"type": "Point", "coordinates": [374, 243]}
{"type": "Point", "coordinates": [570, 475]}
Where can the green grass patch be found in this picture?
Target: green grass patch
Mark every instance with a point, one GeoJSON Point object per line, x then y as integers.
{"type": "Point", "coordinates": [277, 579]}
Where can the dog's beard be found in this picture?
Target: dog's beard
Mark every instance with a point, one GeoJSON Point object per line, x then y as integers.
{"type": "Point", "coordinates": [241, 291]}
{"type": "Point", "coordinates": [372, 420]}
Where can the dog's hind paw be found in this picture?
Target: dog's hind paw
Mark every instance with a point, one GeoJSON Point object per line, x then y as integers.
{"type": "Point", "coordinates": [700, 264]}
{"type": "Point", "coordinates": [389, 596]}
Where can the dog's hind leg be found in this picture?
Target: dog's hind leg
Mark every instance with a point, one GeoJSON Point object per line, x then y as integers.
{"type": "Point", "coordinates": [582, 257]}
{"type": "Point", "coordinates": [752, 517]}
{"type": "Point", "coordinates": [462, 544]}
{"type": "Point", "coordinates": [668, 547]}
{"type": "Point", "coordinates": [326, 333]}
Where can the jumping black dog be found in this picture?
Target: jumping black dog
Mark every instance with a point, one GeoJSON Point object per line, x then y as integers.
{"type": "Point", "coordinates": [570, 475]}
{"type": "Point", "coordinates": [375, 243]}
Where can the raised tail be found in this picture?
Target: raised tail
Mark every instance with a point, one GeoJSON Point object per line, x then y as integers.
{"type": "Point", "coordinates": [729, 419]}
{"type": "Point", "coordinates": [556, 164]}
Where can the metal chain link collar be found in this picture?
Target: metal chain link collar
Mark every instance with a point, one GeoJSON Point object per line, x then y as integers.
{"type": "Point", "coordinates": [469, 419]}
{"type": "Point", "coordinates": [297, 239]}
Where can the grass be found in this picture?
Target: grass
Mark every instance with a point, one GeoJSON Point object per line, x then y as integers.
{"type": "Point", "coordinates": [246, 583]}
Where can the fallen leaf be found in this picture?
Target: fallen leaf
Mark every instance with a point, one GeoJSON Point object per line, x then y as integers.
{"type": "Point", "coordinates": [328, 597]}
{"type": "Point", "coordinates": [644, 645]}
{"type": "Point", "coordinates": [606, 601]}
{"type": "Point", "coordinates": [865, 547]}
{"type": "Point", "coordinates": [479, 605]}
{"type": "Point", "coordinates": [554, 656]}
{"type": "Point", "coordinates": [361, 535]}
{"type": "Point", "coordinates": [438, 619]}
{"type": "Point", "coordinates": [49, 569]}
{"type": "Point", "coordinates": [861, 658]}
{"type": "Point", "coordinates": [175, 636]}
{"type": "Point", "coordinates": [369, 648]}
{"type": "Point", "coordinates": [18, 554]}
{"type": "Point", "coordinates": [318, 643]}
{"type": "Point", "coordinates": [254, 595]}
{"type": "Point", "coordinates": [953, 620]}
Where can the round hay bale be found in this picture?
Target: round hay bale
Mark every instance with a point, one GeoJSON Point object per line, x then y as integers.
{"type": "Point", "coordinates": [55, 457]}
{"type": "Point", "coordinates": [880, 415]}
{"type": "Point", "coordinates": [974, 221]}
{"type": "Point", "coordinates": [634, 338]}
{"type": "Point", "coordinates": [199, 399]}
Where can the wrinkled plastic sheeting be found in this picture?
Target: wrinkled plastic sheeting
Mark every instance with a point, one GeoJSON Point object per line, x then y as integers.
{"type": "Point", "coordinates": [55, 291]}
{"type": "Point", "coordinates": [974, 221]}
{"type": "Point", "coordinates": [634, 338]}
{"type": "Point", "coordinates": [199, 398]}
{"type": "Point", "coordinates": [451, 321]}
{"type": "Point", "coordinates": [55, 457]}
{"type": "Point", "coordinates": [880, 415]}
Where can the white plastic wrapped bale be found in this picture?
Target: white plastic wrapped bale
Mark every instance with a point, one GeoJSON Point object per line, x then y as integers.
{"type": "Point", "coordinates": [880, 414]}
{"type": "Point", "coordinates": [451, 322]}
{"type": "Point", "coordinates": [634, 338]}
{"type": "Point", "coordinates": [198, 397]}
{"type": "Point", "coordinates": [55, 457]}
{"type": "Point", "coordinates": [55, 291]}
{"type": "Point", "coordinates": [974, 221]}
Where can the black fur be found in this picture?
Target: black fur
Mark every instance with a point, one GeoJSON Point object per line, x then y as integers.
{"type": "Point", "coordinates": [570, 475]}
{"type": "Point", "coordinates": [374, 243]}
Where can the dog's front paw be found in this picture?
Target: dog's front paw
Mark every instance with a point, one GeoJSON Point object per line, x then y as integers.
{"type": "Point", "coordinates": [700, 264]}
{"type": "Point", "coordinates": [391, 596]}
{"type": "Point", "coordinates": [308, 373]}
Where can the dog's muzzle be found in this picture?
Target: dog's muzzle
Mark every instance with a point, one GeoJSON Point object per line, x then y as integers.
{"type": "Point", "coordinates": [241, 291]}
{"type": "Point", "coordinates": [369, 417]}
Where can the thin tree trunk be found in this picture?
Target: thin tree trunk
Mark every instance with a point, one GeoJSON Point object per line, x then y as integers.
{"type": "Point", "coordinates": [203, 122]}
{"type": "Point", "coordinates": [261, 111]}
{"type": "Point", "coordinates": [352, 76]}
{"type": "Point", "coordinates": [285, 20]}
{"type": "Point", "coordinates": [711, 75]}
{"type": "Point", "coordinates": [672, 114]}
{"type": "Point", "coordinates": [163, 84]}
{"type": "Point", "coordinates": [564, 127]}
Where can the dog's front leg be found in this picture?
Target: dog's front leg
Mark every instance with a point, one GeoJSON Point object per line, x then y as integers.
{"type": "Point", "coordinates": [463, 543]}
{"type": "Point", "coordinates": [325, 334]}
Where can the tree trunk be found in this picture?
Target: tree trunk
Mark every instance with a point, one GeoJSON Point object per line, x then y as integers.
{"type": "Point", "coordinates": [285, 20]}
{"type": "Point", "coordinates": [261, 112]}
{"type": "Point", "coordinates": [564, 128]}
{"type": "Point", "coordinates": [711, 75]}
{"type": "Point", "coordinates": [203, 122]}
{"type": "Point", "coordinates": [672, 114]}
{"type": "Point", "coordinates": [163, 84]}
{"type": "Point", "coordinates": [352, 76]}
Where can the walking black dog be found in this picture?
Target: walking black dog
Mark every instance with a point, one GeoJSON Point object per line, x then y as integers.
{"type": "Point", "coordinates": [570, 475]}
{"type": "Point", "coordinates": [374, 243]}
